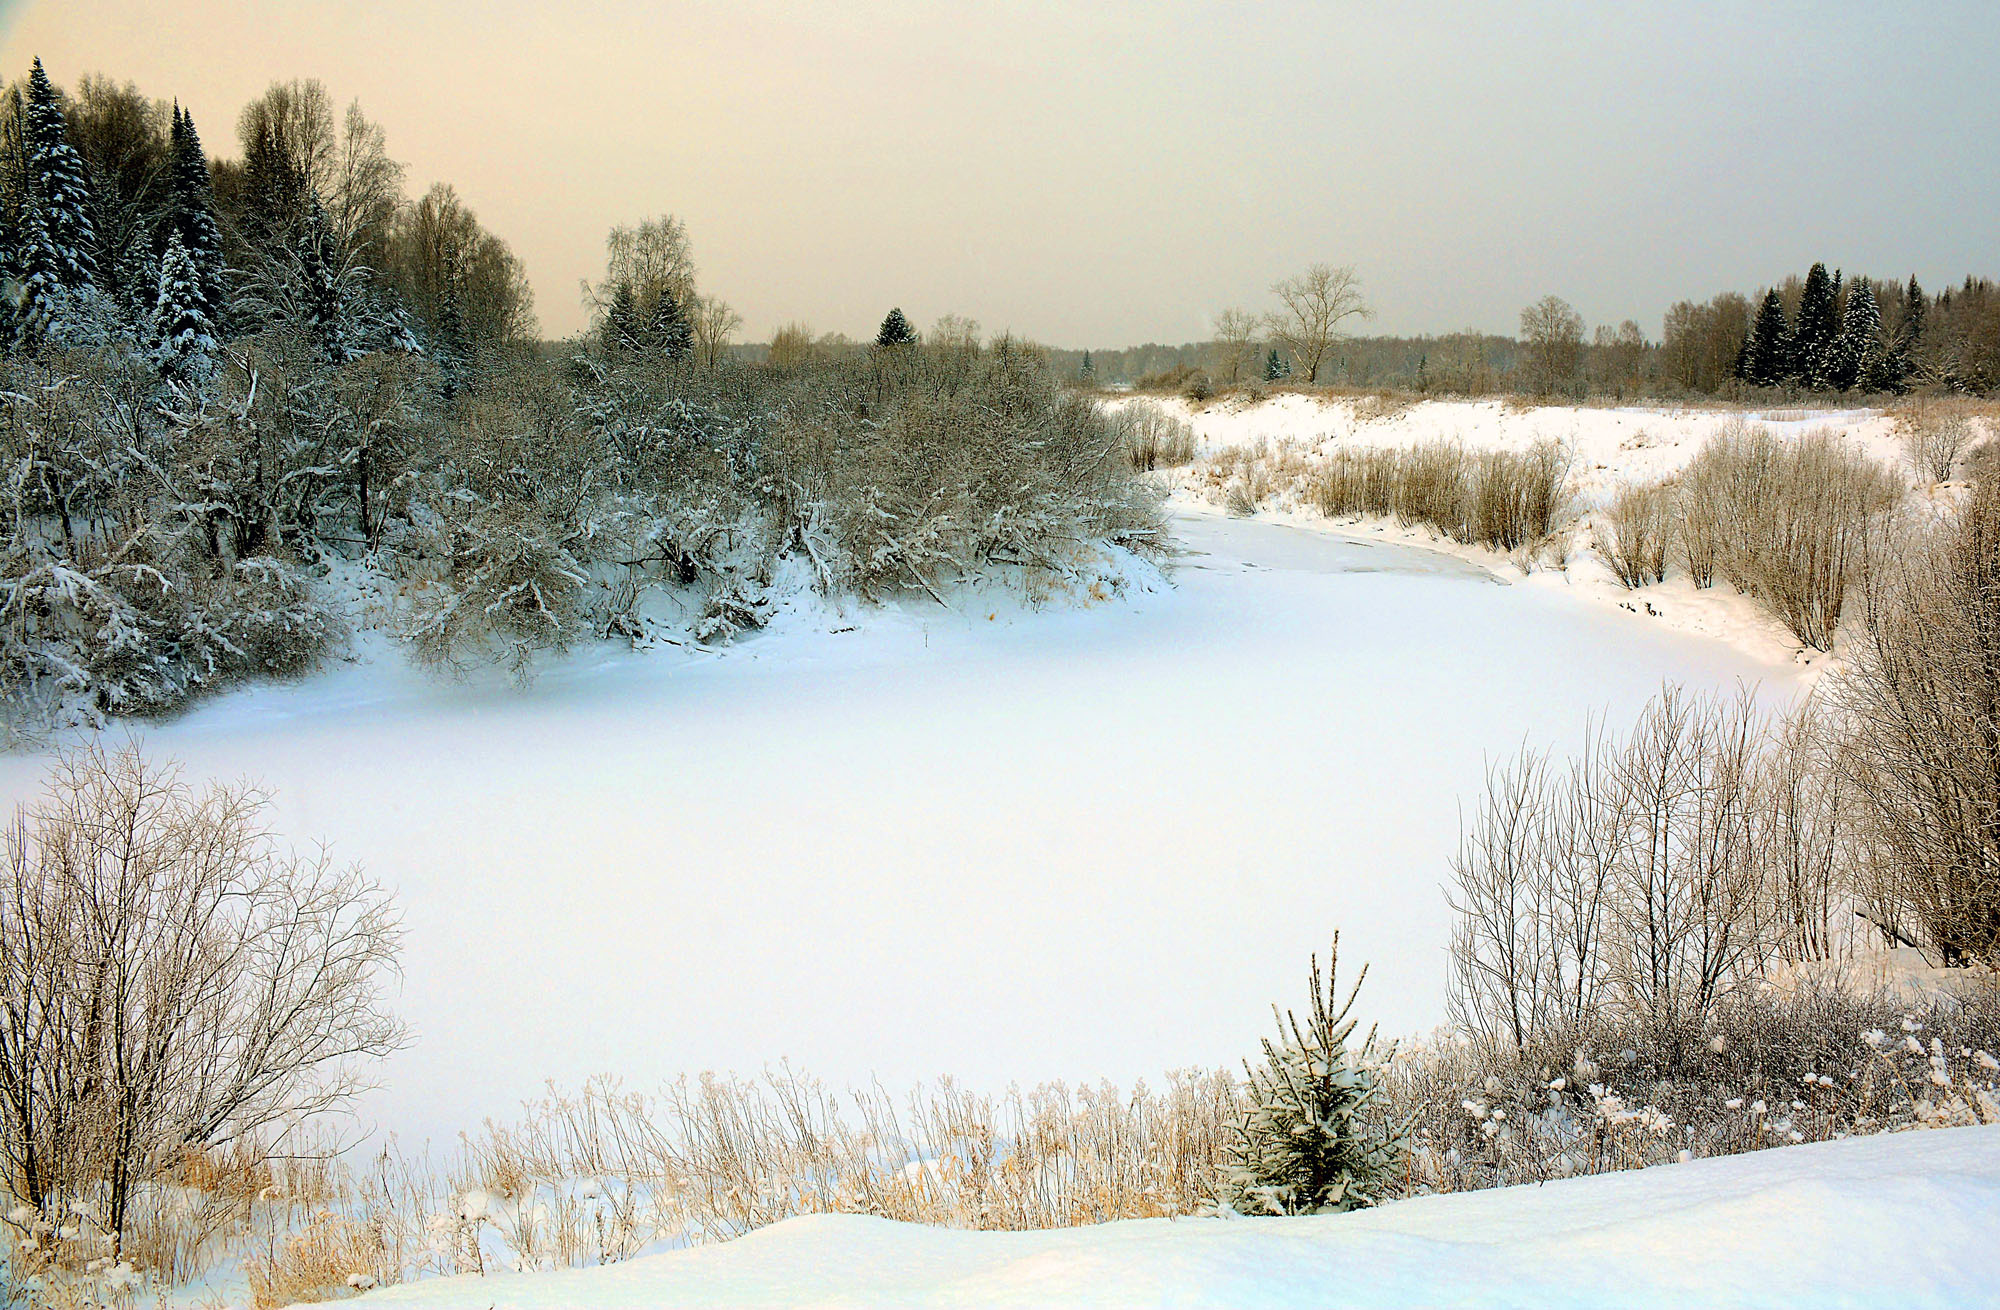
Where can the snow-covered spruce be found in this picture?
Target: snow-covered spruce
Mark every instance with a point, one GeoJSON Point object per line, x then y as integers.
{"type": "Point", "coordinates": [1317, 1136]}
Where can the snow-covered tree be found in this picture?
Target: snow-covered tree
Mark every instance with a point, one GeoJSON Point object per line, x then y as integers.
{"type": "Point", "coordinates": [1087, 370]}
{"type": "Point", "coordinates": [58, 184]}
{"type": "Point", "coordinates": [621, 318]}
{"type": "Point", "coordinates": [184, 341]}
{"type": "Point", "coordinates": [191, 211]}
{"type": "Point", "coordinates": [1859, 354]}
{"type": "Point", "coordinates": [896, 330]}
{"type": "Point", "coordinates": [1316, 1137]}
{"type": "Point", "coordinates": [1276, 366]}
{"type": "Point", "coordinates": [321, 311]}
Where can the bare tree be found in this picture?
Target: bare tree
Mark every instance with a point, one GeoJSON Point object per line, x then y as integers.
{"type": "Point", "coordinates": [172, 980]}
{"type": "Point", "coordinates": [1235, 334]}
{"type": "Point", "coordinates": [714, 323]}
{"type": "Point", "coordinates": [1316, 303]}
{"type": "Point", "coordinates": [1552, 333]}
{"type": "Point", "coordinates": [367, 186]}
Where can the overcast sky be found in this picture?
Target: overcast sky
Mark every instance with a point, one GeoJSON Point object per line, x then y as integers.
{"type": "Point", "coordinates": [1104, 174]}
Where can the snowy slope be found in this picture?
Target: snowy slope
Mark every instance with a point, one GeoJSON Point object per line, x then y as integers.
{"type": "Point", "coordinates": [1907, 1220]}
{"type": "Point", "coordinates": [1610, 448]}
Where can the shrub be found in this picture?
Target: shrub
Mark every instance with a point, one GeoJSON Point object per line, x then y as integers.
{"type": "Point", "coordinates": [1314, 1137]}
{"type": "Point", "coordinates": [1922, 696]}
{"type": "Point", "coordinates": [1934, 439]}
{"type": "Point", "coordinates": [1788, 524]}
{"type": "Point", "coordinates": [1635, 531]}
{"type": "Point", "coordinates": [1153, 438]}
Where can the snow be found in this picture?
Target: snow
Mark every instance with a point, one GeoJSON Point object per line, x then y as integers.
{"type": "Point", "coordinates": [1082, 842]}
{"type": "Point", "coordinates": [1610, 447]}
{"type": "Point", "coordinates": [1904, 1219]}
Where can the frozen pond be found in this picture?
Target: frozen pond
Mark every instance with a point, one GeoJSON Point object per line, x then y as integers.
{"type": "Point", "coordinates": [1083, 843]}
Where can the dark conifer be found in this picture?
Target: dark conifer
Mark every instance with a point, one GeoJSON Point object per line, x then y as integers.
{"type": "Point", "coordinates": [896, 331]}
{"type": "Point", "coordinates": [672, 334]}
{"type": "Point", "coordinates": [1817, 331]}
{"type": "Point", "coordinates": [191, 211]}
{"type": "Point", "coordinates": [1766, 354]}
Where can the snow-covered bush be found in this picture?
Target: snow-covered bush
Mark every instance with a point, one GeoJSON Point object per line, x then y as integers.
{"type": "Point", "coordinates": [1316, 1135]}
{"type": "Point", "coordinates": [1935, 436]}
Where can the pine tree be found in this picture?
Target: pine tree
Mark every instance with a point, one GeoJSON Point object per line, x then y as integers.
{"type": "Point", "coordinates": [673, 335]}
{"type": "Point", "coordinates": [58, 185]}
{"type": "Point", "coordinates": [274, 193]}
{"type": "Point", "coordinates": [1816, 332]}
{"type": "Point", "coordinates": [1088, 370]}
{"type": "Point", "coordinates": [183, 338]}
{"type": "Point", "coordinates": [1315, 1138]}
{"type": "Point", "coordinates": [191, 211]}
{"type": "Point", "coordinates": [1766, 358]}
{"type": "Point", "coordinates": [896, 331]}
{"type": "Point", "coordinates": [1276, 366]}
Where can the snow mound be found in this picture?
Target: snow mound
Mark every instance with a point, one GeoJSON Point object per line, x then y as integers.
{"type": "Point", "coordinates": [1905, 1219]}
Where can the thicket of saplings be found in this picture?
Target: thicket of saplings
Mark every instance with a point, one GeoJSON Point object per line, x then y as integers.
{"type": "Point", "coordinates": [225, 382]}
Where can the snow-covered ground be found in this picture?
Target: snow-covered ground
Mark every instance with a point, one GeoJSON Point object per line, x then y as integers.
{"type": "Point", "coordinates": [1905, 1220]}
{"type": "Point", "coordinates": [1078, 843]}
{"type": "Point", "coordinates": [1610, 448]}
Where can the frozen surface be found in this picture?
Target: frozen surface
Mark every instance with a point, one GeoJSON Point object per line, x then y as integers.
{"type": "Point", "coordinates": [1078, 843]}
{"type": "Point", "coordinates": [1906, 1220]}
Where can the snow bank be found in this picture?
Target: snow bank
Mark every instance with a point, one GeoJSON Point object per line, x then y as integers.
{"type": "Point", "coordinates": [1905, 1220]}
{"type": "Point", "coordinates": [1611, 448]}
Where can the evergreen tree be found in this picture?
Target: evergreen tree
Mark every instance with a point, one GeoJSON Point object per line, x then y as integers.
{"type": "Point", "coordinates": [183, 337]}
{"type": "Point", "coordinates": [1816, 332]}
{"type": "Point", "coordinates": [274, 193]}
{"type": "Point", "coordinates": [1315, 1138]}
{"type": "Point", "coordinates": [621, 319]}
{"type": "Point", "coordinates": [1859, 356]}
{"type": "Point", "coordinates": [896, 331]}
{"type": "Point", "coordinates": [1766, 360]}
{"type": "Point", "coordinates": [44, 301]}
{"type": "Point", "coordinates": [319, 290]}
{"type": "Point", "coordinates": [58, 185]}
{"type": "Point", "coordinates": [191, 211]}
{"type": "Point", "coordinates": [673, 335]}
{"type": "Point", "coordinates": [1276, 366]}
{"type": "Point", "coordinates": [1088, 370]}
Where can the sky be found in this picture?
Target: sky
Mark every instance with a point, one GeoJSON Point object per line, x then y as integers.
{"type": "Point", "coordinates": [1104, 174]}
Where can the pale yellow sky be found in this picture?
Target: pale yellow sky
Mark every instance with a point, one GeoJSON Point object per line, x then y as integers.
{"type": "Point", "coordinates": [1103, 174]}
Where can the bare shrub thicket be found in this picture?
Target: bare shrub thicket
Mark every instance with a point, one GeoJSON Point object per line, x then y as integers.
{"type": "Point", "coordinates": [1636, 531]}
{"type": "Point", "coordinates": [1935, 437]}
{"type": "Point", "coordinates": [1154, 439]}
{"type": "Point", "coordinates": [1922, 692]}
{"type": "Point", "coordinates": [1504, 500]}
{"type": "Point", "coordinates": [1778, 1066]}
{"type": "Point", "coordinates": [1650, 879]}
{"type": "Point", "coordinates": [1787, 523]}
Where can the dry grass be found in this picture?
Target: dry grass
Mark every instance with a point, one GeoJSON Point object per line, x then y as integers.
{"type": "Point", "coordinates": [331, 1257]}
